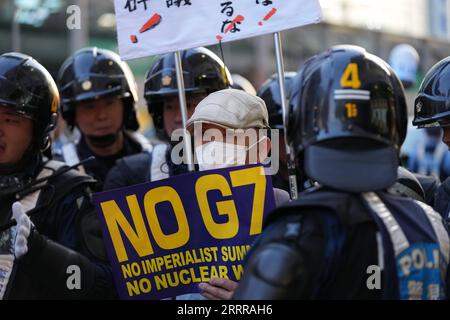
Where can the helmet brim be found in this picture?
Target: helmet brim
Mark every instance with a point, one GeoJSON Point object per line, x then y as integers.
{"type": "Point", "coordinates": [92, 95]}
{"type": "Point", "coordinates": [166, 92]}
{"type": "Point", "coordinates": [431, 111]}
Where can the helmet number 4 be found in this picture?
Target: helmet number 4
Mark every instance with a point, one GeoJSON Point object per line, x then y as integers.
{"type": "Point", "coordinates": [350, 77]}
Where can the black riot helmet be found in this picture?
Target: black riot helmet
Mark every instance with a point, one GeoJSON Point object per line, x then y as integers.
{"type": "Point", "coordinates": [270, 93]}
{"type": "Point", "coordinates": [93, 73]}
{"type": "Point", "coordinates": [432, 104]}
{"type": "Point", "coordinates": [203, 72]}
{"type": "Point", "coordinates": [348, 119]}
{"type": "Point", "coordinates": [29, 89]}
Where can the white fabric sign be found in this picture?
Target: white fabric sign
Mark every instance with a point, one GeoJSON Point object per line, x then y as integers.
{"type": "Point", "coordinates": [149, 27]}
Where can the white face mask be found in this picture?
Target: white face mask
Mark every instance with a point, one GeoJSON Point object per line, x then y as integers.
{"type": "Point", "coordinates": [216, 155]}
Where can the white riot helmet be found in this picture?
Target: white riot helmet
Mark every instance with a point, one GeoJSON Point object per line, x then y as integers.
{"type": "Point", "coordinates": [404, 59]}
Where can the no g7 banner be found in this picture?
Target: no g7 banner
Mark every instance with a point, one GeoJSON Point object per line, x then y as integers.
{"type": "Point", "coordinates": [163, 238]}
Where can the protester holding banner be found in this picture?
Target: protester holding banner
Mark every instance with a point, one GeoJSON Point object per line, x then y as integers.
{"type": "Point", "coordinates": [98, 96]}
{"type": "Point", "coordinates": [230, 129]}
{"type": "Point", "coordinates": [203, 73]}
{"type": "Point", "coordinates": [54, 233]}
{"type": "Point", "coordinates": [348, 237]}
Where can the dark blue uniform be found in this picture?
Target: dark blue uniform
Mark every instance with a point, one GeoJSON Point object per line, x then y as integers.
{"type": "Point", "coordinates": [327, 244]}
{"type": "Point", "coordinates": [442, 199]}
{"type": "Point", "coordinates": [99, 168]}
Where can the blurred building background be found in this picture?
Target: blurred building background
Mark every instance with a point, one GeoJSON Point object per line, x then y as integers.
{"type": "Point", "coordinates": [38, 28]}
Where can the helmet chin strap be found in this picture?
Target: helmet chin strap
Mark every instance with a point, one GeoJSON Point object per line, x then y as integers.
{"type": "Point", "coordinates": [103, 141]}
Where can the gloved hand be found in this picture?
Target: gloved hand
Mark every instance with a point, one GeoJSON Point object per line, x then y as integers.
{"type": "Point", "coordinates": [23, 230]}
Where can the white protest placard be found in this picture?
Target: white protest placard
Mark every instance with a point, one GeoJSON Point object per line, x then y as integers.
{"type": "Point", "coordinates": [150, 27]}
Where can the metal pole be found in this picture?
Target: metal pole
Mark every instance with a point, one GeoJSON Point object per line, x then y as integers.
{"type": "Point", "coordinates": [15, 31]}
{"type": "Point", "coordinates": [263, 58]}
{"type": "Point", "coordinates": [80, 38]}
{"type": "Point", "coordinates": [290, 156]}
{"type": "Point", "coordinates": [183, 107]}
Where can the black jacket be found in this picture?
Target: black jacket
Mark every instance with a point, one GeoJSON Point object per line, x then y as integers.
{"type": "Point", "coordinates": [99, 168]}
{"type": "Point", "coordinates": [321, 245]}
{"type": "Point", "coordinates": [66, 233]}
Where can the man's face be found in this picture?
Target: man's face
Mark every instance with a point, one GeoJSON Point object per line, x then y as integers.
{"type": "Point", "coordinates": [251, 138]}
{"type": "Point", "coordinates": [172, 113]}
{"type": "Point", "coordinates": [99, 117]}
{"type": "Point", "coordinates": [16, 134]}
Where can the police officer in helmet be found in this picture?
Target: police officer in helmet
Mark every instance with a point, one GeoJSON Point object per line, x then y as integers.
{"type": "Point", "coordinates": [346, 125]}
{"type": "Point", "coordinates": [98, 96]}
{"type": "Point", "coordinates": [204, 73]}
{"type": "Point", "coordinates": [421, 153]}
{"type": "Point", "coordinates": [432, 109]}
{"type": "Point", "coordinates": [47, 221]}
